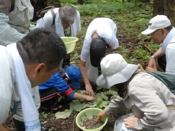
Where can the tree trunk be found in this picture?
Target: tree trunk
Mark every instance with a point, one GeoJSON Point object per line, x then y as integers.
{"type": "Point", "coordinates": [80, 2]}
{"type": "Point", "coordinates": [165, 7]}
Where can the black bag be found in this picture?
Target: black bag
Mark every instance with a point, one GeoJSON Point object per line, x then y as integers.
{"type": "Point", "coordinates": [167, 79]}
{"type": "Point", "coordinates": [42, 12]}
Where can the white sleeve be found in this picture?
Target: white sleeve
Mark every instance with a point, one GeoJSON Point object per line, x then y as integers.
{"type": "Point", "coordinates": [48, 20]}
{"type": "Point", "coordinates": [113, 42]}
{"type": "Point", "coordinates": [40, 23]}
{"type": "Point", "coordinates": [114, 105]}
{"type": "Point", "coordinates": [84, 54]}
{"type": "Point", "coordinates": [4, 111]}
{"type": "Point", "coordinates": [147, 101]}
{"type": "Point", "coordinates": [170, 58]}
{"type": "Point", "coordinates": [6, 83]}
{"type": "Point", "coordinates": [8, 35]}
{"type": "Point", "coordinates": [78, 22]}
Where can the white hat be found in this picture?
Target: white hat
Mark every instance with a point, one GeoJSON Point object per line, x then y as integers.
{"type": "Point", "coordinates": [157, 22]}
{"type": "Point", "coordinates": [114, 70]}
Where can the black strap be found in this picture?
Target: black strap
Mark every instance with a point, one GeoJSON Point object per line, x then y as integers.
{"type": "Point", "coordinates": [99, 71]}
{"type": "Point", "coordinates": [54, 15]}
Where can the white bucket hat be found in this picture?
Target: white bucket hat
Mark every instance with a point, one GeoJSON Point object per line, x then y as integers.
{"type": "Point", "coordinates": [114, 70]}
{"type": "Point", "coordinates": [157, 22]}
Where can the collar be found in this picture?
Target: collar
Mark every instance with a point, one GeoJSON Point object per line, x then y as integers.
{"type": "Point", "coordinates": [167, 39]}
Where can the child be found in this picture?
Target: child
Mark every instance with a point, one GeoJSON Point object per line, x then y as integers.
{"type": "Point", "coordinates": [53, 91]}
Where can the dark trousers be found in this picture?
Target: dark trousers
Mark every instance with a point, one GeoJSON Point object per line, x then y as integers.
{"type": "Point", "coordinates": [49, 96]}
{"type": "Point", "coordinates": [19, 125]}
{"type": "Point", "coordinates": [162, 62]}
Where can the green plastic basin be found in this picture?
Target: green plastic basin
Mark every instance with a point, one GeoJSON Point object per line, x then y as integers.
{"type": "Point", "coordinates": [88, 113]}
{"type": "Point", "coordinates": [70, 43]}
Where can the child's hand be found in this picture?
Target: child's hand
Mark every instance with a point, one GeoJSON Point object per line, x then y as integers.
{"type": "Point", "coordinates": [89, 98]}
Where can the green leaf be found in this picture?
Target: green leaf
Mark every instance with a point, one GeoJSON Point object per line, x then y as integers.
{"type": "Point", "coordinates": [63, 115]}
{"type": "Point", "coordinates": [76, 105]}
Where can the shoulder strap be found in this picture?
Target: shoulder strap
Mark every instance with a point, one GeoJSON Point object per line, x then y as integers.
{"type": "Point", "coordinates": [54, 15]}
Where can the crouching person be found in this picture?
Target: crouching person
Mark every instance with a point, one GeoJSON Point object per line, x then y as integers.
{"type": "Point", "coordinates": [151, 102]}
{"type": "Point", "coordinates": [25, 65]}
{"type": "Point", "coordinates": [57, 92]}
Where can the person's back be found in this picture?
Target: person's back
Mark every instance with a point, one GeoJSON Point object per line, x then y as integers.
{"type": "Point", "coordinates": [105, 28]}
{"type": "Point", "coordinates": [100, 39]}
{"type": "Point", "coordinates": [15, 16]}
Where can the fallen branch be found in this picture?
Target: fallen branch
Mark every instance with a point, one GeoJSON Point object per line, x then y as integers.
{"type": "Point", "coordinates": [147, 47]}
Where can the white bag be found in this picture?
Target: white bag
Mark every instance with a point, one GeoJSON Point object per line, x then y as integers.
{"type": "Point", "coordinates": [119, 124]}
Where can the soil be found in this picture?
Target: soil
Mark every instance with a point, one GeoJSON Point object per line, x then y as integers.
{"type": "Point", "coordinates": [50, 123]}
{"type": "Point", "coordinates": [91, 123]}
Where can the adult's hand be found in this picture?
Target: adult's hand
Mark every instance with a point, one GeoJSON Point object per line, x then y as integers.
{"type": "Point", "coordinates": [88, 86]}
{"type": "Point", "coordinates": [149, 69]}
{"type": "Point", "coordinates": [101, 115]}
{"type": "Point", "coordinates": [89, 90]}
{"type": "Point", "coordinates": [152, 64]}
{"type": "Point", "coordinates": [130, 122]}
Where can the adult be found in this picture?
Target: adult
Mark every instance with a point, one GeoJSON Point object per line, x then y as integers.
{"type": "Point", "coordinates": [15, 16]}
{"type": "Point", "coordinates": [163, 33]}
{"type": "Point", "coordinates": [65, 21]}
{"type": "Point", "coordinates": [149, 99]}
{"type": "Point", "coordinates": [62, 19]}
{"type": "Point", "coordinates": [100, 38]}
{"type": "Point", "coordinates": [60, 87]}
{"type": "Point", "coordinates": [24, 65]}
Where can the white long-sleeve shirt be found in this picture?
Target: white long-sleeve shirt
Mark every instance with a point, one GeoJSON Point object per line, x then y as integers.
{"type": "Point", "coordinates": [148, 99]}
{"type": "Point", "coordinates": [47, 22]}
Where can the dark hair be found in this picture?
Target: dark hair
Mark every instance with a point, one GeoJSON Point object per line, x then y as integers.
{"type": "Point", "coordinates": [169, 28]}
{"type": "Point", "coordinates": [42, 46]}
{"type": "Point", "coordinates": [122, 87]}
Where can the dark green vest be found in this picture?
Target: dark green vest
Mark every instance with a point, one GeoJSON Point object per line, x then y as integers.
{"type": "Point", "coordinates": [167, 79]}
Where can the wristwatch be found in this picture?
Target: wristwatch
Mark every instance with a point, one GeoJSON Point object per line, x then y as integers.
{"type": "Point", "coordinates": [152, 57]}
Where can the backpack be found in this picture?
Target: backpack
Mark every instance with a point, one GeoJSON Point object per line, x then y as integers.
{"type": "Point", "coordinates": [167, 79]}
{"type": "Point", "coordinates": [42, 12]}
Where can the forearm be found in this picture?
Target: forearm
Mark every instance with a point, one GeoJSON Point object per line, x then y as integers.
{"type": "Point", "coordinates": [158, 53]}
{"type": "Point", "coordinates": [84, 72]}
{"type": "Point", "coordinates": [79, 96]}
{"type": "Point", "coordinates": [114, 105]}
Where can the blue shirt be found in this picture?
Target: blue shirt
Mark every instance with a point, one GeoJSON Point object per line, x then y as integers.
{"type": "Point", "coordinates": [59, 83]}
